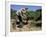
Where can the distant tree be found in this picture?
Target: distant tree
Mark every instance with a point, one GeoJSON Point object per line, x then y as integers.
{"type": "Point", "coordinates": [39, 14]}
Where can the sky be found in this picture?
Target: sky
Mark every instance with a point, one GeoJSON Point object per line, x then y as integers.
{"type": "Point", "coordinates": [31, 7]}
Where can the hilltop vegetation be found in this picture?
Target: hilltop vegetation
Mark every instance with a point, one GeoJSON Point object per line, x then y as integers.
{"type": "Point", "coordinates": [32, 15]}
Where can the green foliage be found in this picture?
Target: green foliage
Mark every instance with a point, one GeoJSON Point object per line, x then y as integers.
{"type": "Point", "coordinates": [33, 15]}
{"type": "Point", "coordinates": [13, 13]}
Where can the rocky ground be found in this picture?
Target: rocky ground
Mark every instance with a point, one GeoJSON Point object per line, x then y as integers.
{"type": "Point", "coordinates": [28, 27]}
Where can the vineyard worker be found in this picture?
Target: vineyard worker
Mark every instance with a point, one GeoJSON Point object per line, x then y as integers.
{"type": "Point", "coordinates": [19, 15]}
